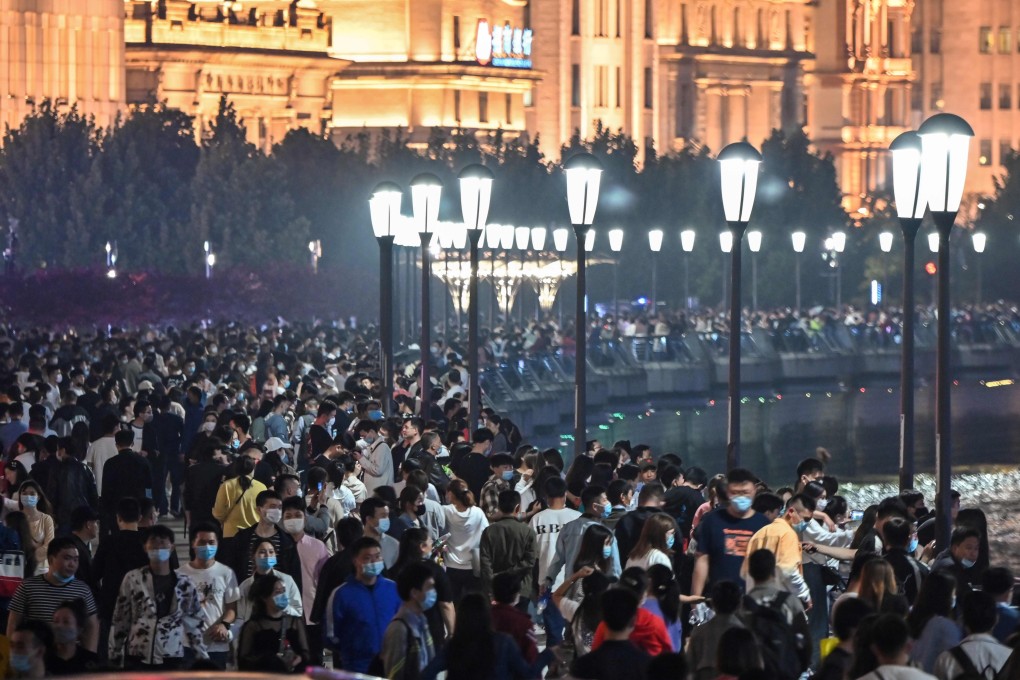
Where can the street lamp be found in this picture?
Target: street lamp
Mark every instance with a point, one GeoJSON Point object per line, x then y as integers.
{"type": "Point", "coordinates": [910, 207]}
{"type": "Point", "coordinates": [687, 245]}
{"type": "Point", "coordinates": [384, 207]}
{"type": "Point", "coordinates": [979, 240]}
{"type": "Point", "coordinates": [754, 244]}
{"type": "Point", "coordinates": [933, 242]}
{"type": "Point", "coordinates": [726, 246]}
{"type": "Point", "coordinates": [315, 250]}
{"type": "Point", "coordinates": [838, 243]}
{"type": "Point", "coordinates": [616, 244]}
{"type": "Point", "coordinates": [945, 143]}
{"type": "Point", "coordinates": [475, 194]}
{"type": "Point", "coordinates": [111, 260]}
{"type": "Point", "coordinates": [885, 243]}
{"type": "Point", "coordinates": [738, 173]}
{"type": "Point", "coordinates": [584, 175]}
{"type": "Point", "coordinates": [799, 239]}
{"type": "Point", "coordinates": [210, 259]}
{"type": "Point", "coordinates": [426, 190]}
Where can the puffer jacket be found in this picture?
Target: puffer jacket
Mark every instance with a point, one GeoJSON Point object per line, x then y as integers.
{"type": "Point", "coordinates": [136, 631]}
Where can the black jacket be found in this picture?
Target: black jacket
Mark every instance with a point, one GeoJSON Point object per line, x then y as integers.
{"type": "Point", "coordinates": [125, 475]}
{"type": "Point", "coordinates": [84, 573]}
{"type": "Point", "coordinates": [201, 482]}
{"type": "Point", "coordinates": [437, 476]}
{"type": "Point", "coordinates": [118, 554]}
{"type": "Point", "coordinates": [628, 529]}
{"type": "Point", "coordinates": [70, 484]}
{"type": "Point", "coordinates": [287, 559]}
{"type": "Point", "coordinates": [334, 572]}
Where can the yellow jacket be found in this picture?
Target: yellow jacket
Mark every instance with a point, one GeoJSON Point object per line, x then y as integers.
{"type": "Point", "coordinates": [235, 507]}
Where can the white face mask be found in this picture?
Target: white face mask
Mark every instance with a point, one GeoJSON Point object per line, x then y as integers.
{"type": "Point", "coordinates": [273, 515]}
{"type": "Point", "coordinates": [294, 526]}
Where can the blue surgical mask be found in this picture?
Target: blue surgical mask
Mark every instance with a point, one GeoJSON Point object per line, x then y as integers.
{"type": "Point", "coordinates": [607, 510]}
{"type": "Point", "coordinates": [30, 501]}
{"type": "Point", "coordinates": [430, 599]}
{"type": "Point", "coordinates": [913, 545]}
{"type": "Point", "coordinates": [967, 564]}
{"type": "Point", "coordinates": [741, 503]}
{"type": "Point", "coordinates": [670, 541]}
{"type": "Point", "coordinates": [205, 552]}
{"type": "Point", "coordinates": [281, 600]}
{"type": "Point", "coordinates": [61, 579]}
{"type": "Point", "coordinates": [607, 552]}
{"type": "Point", "coordinates": [508, 475]}
{"type": "Point", "coordinates": [266, 563]}
{"type": "Point", "coordinates": [384, 525]}
{"type": "Point", "coordinates": [800, 526]}
{"type": "Point", "coordinates": [374, 568]}
{"type": "Point", "coordinates": [376, 415]}
{"type": "Point", "coordinates": [21, 663]}
{"type": "Point", "coordinates": [159, 555]}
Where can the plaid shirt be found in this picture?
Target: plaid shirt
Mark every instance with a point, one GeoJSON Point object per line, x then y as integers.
{"type": "Point", "coordinates": [490, 495]}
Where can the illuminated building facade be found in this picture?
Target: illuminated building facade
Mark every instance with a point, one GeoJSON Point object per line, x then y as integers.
{"type": "Point", "coordinates": [68, 51]}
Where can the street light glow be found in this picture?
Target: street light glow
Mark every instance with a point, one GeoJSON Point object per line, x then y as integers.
{"type": "Point", "coordinates": [906, 157]}
{"type": "Point", "coordinates": [426, 191]}
{"type": "Point", "coordinates": [754, 241]}
{"type": "Point", "coordinates": [538, 238]}
{"type": "Point", "coordinates": [980, 240]}
{"type": "Point", "coordinates": [384, 206]}
{"type": "Point", "coordinates": [738, 170]}
{"type": "Point", "coordinates": [615, 240]}
{"type": "Point", "coordinates": [726, 241]}
{"type": "Point", "coordinates": [799, 239]}
{"type": "Point", "coordinates": [687, 240]}
{"type": "Point", "coordinates": [589, 241]}
{"type": "Point", "coordinates": [655, 240]}
{"type": "Point", "coordinates": [945, 144]}
{"type": "Point", "coordinates": [933, 241]}
{"type": "Point", "coordinates": [475, 195]}
{"type": "Point", "coordinates": [584, 175]}
{"type": "Point", "coordinates": [839, 241]}
{"type": "Point", "coordinates": [521, 237]}
{"type": "Point", "coordinates": [885, 241]}
{"type": "Point", "coordinates": [560, 238]}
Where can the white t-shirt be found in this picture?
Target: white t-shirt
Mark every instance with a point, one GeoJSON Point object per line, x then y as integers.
{"type": "Point", "coordinates": [465, 529]}
{"type": "Point", "coordinates": [217, 586]}
{"type": "Point", "coordinates": [653, 556]}
{"type": "Point", "coordinates": [295, 608]}
{"type": "Point", "coordinates": [547, 525]}
{"type": "Point", "coordinates": [100, 451]}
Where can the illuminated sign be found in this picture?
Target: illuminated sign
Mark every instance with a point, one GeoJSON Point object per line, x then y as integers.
{"type": "Point", "coordinates": [503, 46]}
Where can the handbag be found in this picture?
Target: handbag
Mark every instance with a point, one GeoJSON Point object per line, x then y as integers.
{"type": "Point", "coordinates": [285, 653]}
{"type": "Point", "coordinates": [12, 571]}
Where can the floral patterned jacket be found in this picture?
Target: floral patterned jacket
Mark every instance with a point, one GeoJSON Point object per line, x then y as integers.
{"type": "Point", "coordinates": [136, 630]}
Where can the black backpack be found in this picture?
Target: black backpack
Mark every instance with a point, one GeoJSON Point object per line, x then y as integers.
{"type": "Point", "coordinates": [782, 650]}
{"type": "Point", "coordinates": [969, 670]}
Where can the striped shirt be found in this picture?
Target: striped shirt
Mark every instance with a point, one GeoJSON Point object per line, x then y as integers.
{"type": "Point", "coordinates": [36, 598]}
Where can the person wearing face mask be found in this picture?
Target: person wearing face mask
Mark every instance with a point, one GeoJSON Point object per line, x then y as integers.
{"type": "Point", "coordinates": [220, 593]}
{"type": "Point", "coordinates": [37, 597]}
{"type": "Point", "coordinates": [29, 643]}
{"type": "Point", "coordinates": [312, 554]}
{"type": "Point", "coordinates": [960, 559]}
{"type": "Point", "coordinates": [265, 558]}
{"type": "Point", "coordinates": [375, 456]}
{"type": "Point", "coordinates": [67, 656]}
{"type": "Point", "coordinates": [37, 510]}
{"type": "Point", "coordinates": [900, 539]}
{"type": "Point", "coordinates": [359, 611]}
{"type": "Point", "coordinates": [782, 537]}
{"type": "Point", "coordinates": [156, 611]}
{"type": "Point", "coordinates": [412, 511]}
{"type": "Point", "coordinates": [502, 466]}
{"type": "Point", "coordinates": [270, 510]}
{"type": "Point", "coordinates": [508, 545]}
{"type": "Point", "coordinates": [722, 534]}
{"type": "Point", "coordinates": [408, 641]}
{"type": "Point", "coordinates": [656, 543]}
{"type": "Point", "coordinates": [273, 639]}
{"type": "Point", "coordinates": [375, 516]}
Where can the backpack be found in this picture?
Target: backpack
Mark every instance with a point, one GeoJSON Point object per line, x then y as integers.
{"type": "Point", "coordinates": [781, 648]}
{"type": "Point", "coordinates": [969, 670]}
{"type": "Point", "coordinates": [258, 430]}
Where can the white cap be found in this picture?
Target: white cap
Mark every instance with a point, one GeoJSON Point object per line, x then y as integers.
{"type": "Point", "coordinates": [275, 444]}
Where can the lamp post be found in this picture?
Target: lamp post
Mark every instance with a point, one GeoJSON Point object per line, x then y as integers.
{"type": "Point", "coordinates": [426, 190]}
{"type": "Point", "coordinates": [315, 250]}
{"type": "Point", "coordinates": [754, 245]}
{"type": "Point", "coordinates": [799, 239]}
{"type": "Point", "coordinates": [616, 244]}
{"type": "Point", "coordinates": [933, 246]}
{"type": "Point", "coordinates": [979, 240]}
{"type": "Point", "coordinates": [838, 246]}
{"type": "Point", "coordinates": [210, 259]}
{"type": "Point", "coordinates": [885, 243]}
{"type": "Point", "coordinates": [945, 143]}
{"type": "Point", "coordinates": [584, 175]}
{"type": "Point", "coordinates": [738, 172]}
{"type": "Point", "coordinates": [725, 245]}
{"type": "Point", "coordinates": [910, 207]}
{"type": "Point", "coordinates": [655, 245]}
{"type": "Point", "coordinates": [384, 207]}
{"type": "Point", "coordinates": [475, 193]}
{"type": "Point", "coordinates": [111, 260]}
{"type": "Point", "coordinates": [687, 245]}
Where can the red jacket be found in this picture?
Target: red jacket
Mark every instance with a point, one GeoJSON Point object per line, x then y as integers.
{"type": "Point", "coordinates": [515, 623]}
{"type": "Point", "coordinates": [649, 634]}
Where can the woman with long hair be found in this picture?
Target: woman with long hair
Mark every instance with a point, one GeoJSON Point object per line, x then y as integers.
{"type": "Point", "coordinates": [596, 549]}
{"type": "Point", "coordinates": [264, 557]}
{"type": "Point", "coordinates": [465, 523]}
{"type": "Point", "coordinates": [931, 621]}
{"type": "Point", "coordinates": [32, 501]}
{"type": "Point", "coordinates": [416, 548]}
{"type": "Point", "coordinates": [865, 527]}
{"type": "Point", "coordinates": [15, 474]}
{"type": "Point", "coordinates": [477, 651]}
{"type": "Point", "coordinates": [663, 600]}
{"type": "Point", "coordinates": [235, 506]}
{"type": "Point", "coordinates": [577, 478]}
{"type": "Point", "coordinates": [271, 640]}
{"type": "Point", "coordinates": [878, 588]}
{"type": "Point", "coordinates": [655, 545]}
{"type": "Point", "coordinates": [583, 612]}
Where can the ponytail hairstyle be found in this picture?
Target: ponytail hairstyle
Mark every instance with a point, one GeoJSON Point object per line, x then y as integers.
{"type": "Point", "coordinates": [666, 591]}
{"type": "Point", "coordinates": [244, 466]}
{"type": "Point", "coordinates": [459, 490]}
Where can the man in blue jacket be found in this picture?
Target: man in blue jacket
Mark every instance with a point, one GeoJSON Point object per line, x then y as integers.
{"type": "Point", "coordinates": [361, 609]}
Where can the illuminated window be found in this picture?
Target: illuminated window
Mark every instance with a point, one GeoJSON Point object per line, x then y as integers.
{"type": "Point", "coordinates": [529, 97]}
{"type": "Point", "coordinates": [601, 86]}
{"type": "Point", "coordinates": [985, 152]}
{"type": "Point", "coordinates": [985, 40]}
{"type": "Point", "coordinates": [1005, 40]}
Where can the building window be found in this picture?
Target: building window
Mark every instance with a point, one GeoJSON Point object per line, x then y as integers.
{"type": "Point", "coordinates": [1005, 96]}
{"type": "Point", "coordinates": [456, 34]}
{"type": "Point", "coordinates": [985, 152]}
{"type": "Point", "coordinates": [985, 96]}
{"type": "Point", "coordinates": [648, 87]}
{"type": "Point", "coordinates": [1005, 39]}
{"type": "Point", "coordinates": [916, 40]}
{"type": "Point", "coordinates": [509, 109]}
{"type": "Point", "coordinates": [619, 87]}
{"type": "Point", "coordinates": [575, 85]}
{"type": "Point", "coordinates": [737, 42]}
{"type": "Point", "coordinates": [985, 40]}
{"type": "Point", "coordinates": [619, 19]}
{"type": "Point", "coordinates": [601, 18]}
{"type": "Point", "coordinates": [456, 106]}
{"type": "Point", "coordinates": [713, 27]}
{"type": "Point", "coordinates": [649, 5]}
{"type": "Point", "coordinates": [529, 97]}
{"type": "Point", "coordinates": [1005, 151]}
{"type": "Point", "coordinates": [760, 42]}
{"type": "Point", "coordinates": [483, 107]}
{"type": "Point", "coordinates": [601, 87]}
{"type": "Point", "coordinates": [575, 18]}
{"type": "Point", "coordinates": [684, 35]}
{"type": "Point", "coordinates": [936, 97]}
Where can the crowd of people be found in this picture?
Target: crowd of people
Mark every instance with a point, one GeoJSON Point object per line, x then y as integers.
{"type": "Point", "coordinates": [322, 532]}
